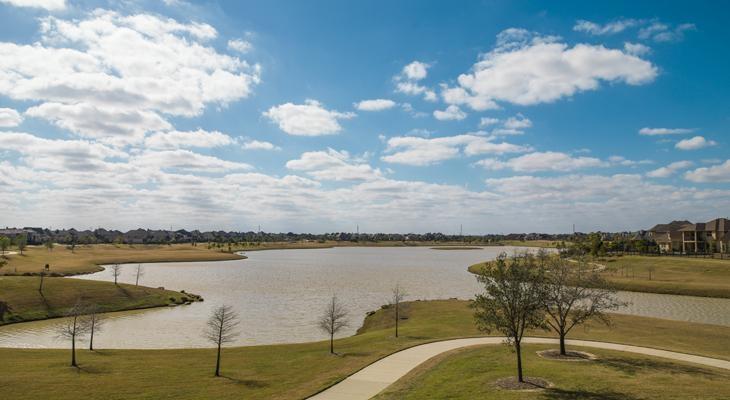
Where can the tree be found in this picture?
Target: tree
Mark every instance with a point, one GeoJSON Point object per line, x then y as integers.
{"type": "Point", "coordinates": [574, 295]}
{"type": "Point", "coordinates": [73, 327]}
{"type": "Point", "coordinates": [398, 295]}
{"type": "Point", "coordinates": [116, 271]}
{"type": "Point", "coordinates": [49, 244]}
{"type": "Point", "coordinates": [4, 243]}
{"type": "Point", "coordinates": [512, 301]}
{"type": "Point", "coordinates": [221, 329]}
{"type": "Point", "coordinates": [40, 285]}
{"type": "Point", "coordinates": [140, 272]}
{"type": "Point", "coordinates": [333, 320]}
{"type": "Point", "coordinates": [21, 241]}
{"type": "Point", "coordinates": [95, 321]}
{"type": "Point", "coordinates": [4, 309]}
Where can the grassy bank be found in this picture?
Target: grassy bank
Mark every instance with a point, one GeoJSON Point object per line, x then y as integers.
{"type": "Point", "coordinates": [703, 277]}
{"type": "Point", "coordinates": [471, 373]}
{"type": "Point", "coordinates": [60, 294]}
{"type": "Point", "coordinates": [291, 371]}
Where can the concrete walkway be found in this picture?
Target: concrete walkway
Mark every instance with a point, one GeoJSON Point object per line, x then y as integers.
{"type": "Point", "coordinates": [372, 379]}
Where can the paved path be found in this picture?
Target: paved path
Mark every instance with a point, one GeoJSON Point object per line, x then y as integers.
{"type": "Point", "coordinates": [372, 379]}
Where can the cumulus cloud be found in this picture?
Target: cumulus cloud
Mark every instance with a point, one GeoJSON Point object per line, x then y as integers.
{"type": "Point", "coordinates": [187, 139]}
{"type": "Point", "coordinates": [487, 121]}
{"type": "Point", "coordinates": [451, 113]}
{"type": "Point", "coordinates": [419, 151]}
{"type": "Point", "coordinates": [529, 69]}
{"type": "Point", "coordinates": [664, 131]}
{"type": "Point", "coordinates": [185, 160]}
{"type": "Point", "coordinates": [308, 119]}
{"type": "Point", "coordinates": [415, 71]}
{"type": "Point", "coordinates": [636, 49]}
{"type": "Point", "coordinates": [543, 161]}
{"type": "Point", "coordinates": [713, 174]}
{"type": "Point", "coordinates": [240, 45]}
{"type": "Point", "coordinates": [407, 82]}
{"type": "Point", "coordinates": [669, 170]}
{"type": "Point", "coordinates": [695, 143]}
{"type": "Point", "coordinates": [50, 5]}
{"type": "Point", "coordinates": [9, 118]}
{"type": "Point", "coordinates": [609, 28]}
{"type": "Point", "coordinates": [333, 165]}
{"type": "Point", "coordinates": [259, 145]}
{"type": "Point", "coordinates": [662, 32]}
{"type": "Point", "coordinates": [375, 105]}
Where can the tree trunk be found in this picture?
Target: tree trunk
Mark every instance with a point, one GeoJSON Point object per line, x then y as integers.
{"type": "Point", "coordinates": [218, 362]}
{"type": "Point", "coordinates": [562, 344]}
{"type": "Point", "coordinates": [73, 351]}
{"type": "Point", "coordinates": [519, 362]}
{"type": "Point", "coordinates": [396, 319]}
{"type": "Point", "coordinates": [40, 287]}
{"type": "Point", "coordinates": [332, 343]}
{"type": "Point", "coordinates": [91, 337]}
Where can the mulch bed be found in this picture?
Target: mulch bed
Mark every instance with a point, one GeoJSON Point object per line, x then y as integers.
{"type": "Point", "coordinates": [572, 355]}
{"type": "Point", "coordinates": [529, 384]}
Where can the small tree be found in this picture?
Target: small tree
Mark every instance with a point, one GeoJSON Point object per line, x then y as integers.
{"type": "Point", "coordinates": [116, 271]}
{"type": "Point", "coordinates": [221, 329]}
{"type": "Point", "coordinates": [574, 295]}
{"type": "Point", "coordinates": [96, 323]}
{"type": "Point", "coordinates": [140, 272]}
{"type": "Point", "coordinates": [398, 295]}
{"type": "Point", "coordinates": [512, 301]}
{"type": "Point", "coordinates": [40, 285]}
{"type": "Point", "coordinates": [21, 241]}
{"type": "Point", "coordinates": [4, 243]}
{"type": "Point", "coordinates": [49, 244]}
{"type": "Point", "coordinates": [73, 327]}
{"type": "Point", "coordinates": [4, 309]}
{"type": "Point", "coordinates": [333, 320]}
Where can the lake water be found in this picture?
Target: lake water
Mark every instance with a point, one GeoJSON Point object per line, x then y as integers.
{"type": "Point", "coordinates": [280, 294]}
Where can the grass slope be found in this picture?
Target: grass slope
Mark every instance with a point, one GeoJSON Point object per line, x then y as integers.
{"type": "Point", "coordinates": [291, 371]}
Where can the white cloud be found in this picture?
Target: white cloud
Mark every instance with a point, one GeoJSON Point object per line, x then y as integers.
{"type": "Point", "coordinates": [669, 170]}
{"type": "Point", "coordinates": [695, 143]}
{"type": "Point", "coordinates": [662, 32]}
{"type": "Point", "coordinates": [713, 174]}
{"type": "Point", "coordinates": [9, 118]}
{"type": "Point", "coordinates": [185, 160]}
{"type": "Point", "coordinates": [50, 5]}
{"type": "Point", "coordinates": [606, 29]}
{"type": "Point", "coordinates": [240, 45]}
{"type": "Point", "coordinates": [259, 145]}
{"type": "Point", "coordinates": [636, 49]}
{"type": "Point", "coordinates": [543, 161]}
{"type": "Point", "coordinates": [415, 71]}
{"type": "Point", "coordinates": [451, 113]}
{"type": "Point", "coordinates": [407, 81]}
{"type": "Point", "coordinates": [487, 121]}
{"type": "Point", "coordinates": [333, 165]}
{"type": "Point", "coordinates": [188, 139]}
{"type": "Point", "coordinates": [308, 119]}
{"type": "Point", "coordinates": [664, 131]}
{"type": "Point", "coordinates": [375, 105]}
{"type": "Point", "coordinates": [542, 70]}
{"type": "Point", "coordinates": [623, 161]}
{"type": "Point", "coordinates": [418, 151]}
{"type": "Point", "coordinates": [519, 121]}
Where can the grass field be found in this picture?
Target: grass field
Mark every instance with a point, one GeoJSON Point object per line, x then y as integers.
{"type": "Point", "coordinates": [470, 373]}
{"type": "Point", "coordinates": [60, 294]}
{"type": "Point", "coordinates": [292, 371]}
{"type": "Point", "coordinates": [704, 277]}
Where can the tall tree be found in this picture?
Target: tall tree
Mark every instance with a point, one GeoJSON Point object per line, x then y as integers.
{"type": "Point", "coordinates": [333, 320]}
{"type": "Point", "coordinates": [512, 301]}
{"type": "Point", "coordinates": [21, 241]}
{"type": "Point", "coordinates": [221, 329]}
{"type": "Point", "coordinates": [140, 272]}
{"type": "Point", "coordinates": [398, 294]}
{"type": "Point", "coordinates": [574, 295]}
{"type": "Point", "coordinates": [116, 271]}
{"type": "Point", "coordinates": [95, 322]}
{"type": "Point", "coordinates": [73, 327]}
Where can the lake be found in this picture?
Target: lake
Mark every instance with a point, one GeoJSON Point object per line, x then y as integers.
{"type": "Point", "coordinates": [280, 295]}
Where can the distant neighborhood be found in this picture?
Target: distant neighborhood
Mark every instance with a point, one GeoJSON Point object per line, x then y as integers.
{"type": "Point", "coordinates": [686, 237]}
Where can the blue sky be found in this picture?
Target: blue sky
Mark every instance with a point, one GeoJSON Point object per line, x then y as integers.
{"type": "Point", "coordinates": [397, 116]}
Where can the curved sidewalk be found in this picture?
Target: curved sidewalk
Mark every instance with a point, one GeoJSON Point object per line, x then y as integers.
{"type": "Point", "coordinates": [372, 379]}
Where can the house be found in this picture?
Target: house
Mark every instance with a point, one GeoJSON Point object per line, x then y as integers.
{"type": "Point", "coordinates": [30, 235]}
{"type": "Point", "coordinates": [686, 237]}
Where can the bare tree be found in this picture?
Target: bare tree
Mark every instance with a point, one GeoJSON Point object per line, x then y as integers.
{"type": "Point", "coordinates": [333, 320]}
{"type": "Point", "coordinates": [95, 322]}
{"type": "Point", "coordinates": [140, 272]}
{"type": "Point", "coordinates": [398, 295]}
{"type": "Point", "coordinates": [116, 271]}
{"type": "Point", "coordinates": [512, 301]}
{"type": "Point", "coordinates": [73, 327]}
{"type": "Point", "coordinates": [40, 285]}
{"type": "Point", "coordinates": [573, 297]}
{"type": "Point", "coordinates": [221, 329]}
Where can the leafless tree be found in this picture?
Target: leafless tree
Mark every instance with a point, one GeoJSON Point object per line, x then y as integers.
{"type": "Point", "coordinates": [140, 272]}
{"type": "Point", "coordinates": [333, 320]}
{"type": "Point", "coordinates": [573, 297]}
{"type": "Point", "coordinates": [40, 285]}
{"type": "Point", "coordinates": [116, 271]}
{"type": "Point", "coordinates": [512, 301]}
{"type": "Point", "coordinates": [221, 329]}
{"type": "Point", "coordinates": [398, 295]}
{"type": "Point", "coordinates": [73, 327]}
{"type": "Point", "coordinates": [95, 322]}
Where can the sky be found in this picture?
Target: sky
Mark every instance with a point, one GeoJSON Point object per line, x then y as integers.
{"type": "Point", "coordinates": [394, 116]}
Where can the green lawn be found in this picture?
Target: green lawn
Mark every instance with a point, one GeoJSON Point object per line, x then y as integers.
{"type": "Point", "coordinates": [60, 294]}
{"type": "Point", "coordinates": [292, 371]}
{"type": "Point", "coordinates": [470, 374]}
